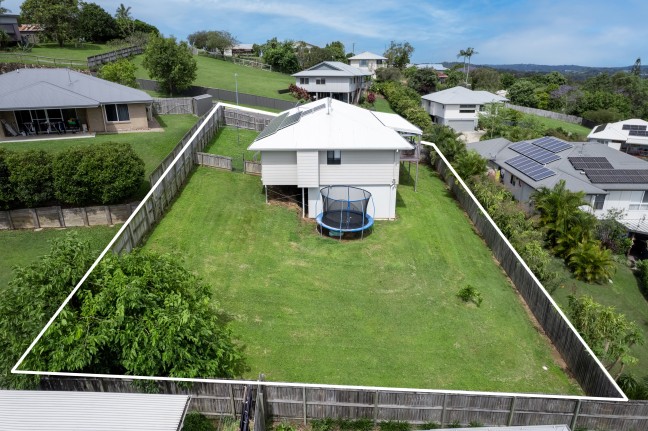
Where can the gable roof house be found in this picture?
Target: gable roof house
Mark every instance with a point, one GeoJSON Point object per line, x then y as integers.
{"type": "Point", "coordinates": [30, 32]}
{"type": "Point", "coordinates": [368, 62]}
{"type": "Point", "coordinates": [610, 179]}
{"type": "Point", "coordinates": [629, 136]}
{"type": "Point", "coordinates": [328, 143]}
{"type": "Point", "coordinates": [38, 101]}
{"type": "Point", "coordinates": [333, 79]}
{"type": "Point", "coordinates": [458, 107]}
{"type": "Point", "coordinates": [9, 24]}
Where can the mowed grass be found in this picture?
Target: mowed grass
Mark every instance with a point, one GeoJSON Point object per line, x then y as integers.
{"type": "Point", "coordinates": [70, 51]}
{"type": "Point", "coordinates": [217, 73]}
{"type": "Point", "coordinates": [572, 128]}
{"type": "Point", "coordinates": [23, 247]}
{"type": "Point", "coordinates": [382, 105]}
{"type": "Point", "coordinates": [152, 147]}
{"type": "Point", "coordinates": [233, 142]}
{"type": "Point", "coordinates": [623, 294]}
{"type": "Point", "coordinates": [382, 311]}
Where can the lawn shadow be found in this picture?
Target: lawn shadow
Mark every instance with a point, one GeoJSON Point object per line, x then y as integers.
{"type": "Point", "coordinates": [400, 203]}
{"type": "Point", "coordinates": [161, 122]}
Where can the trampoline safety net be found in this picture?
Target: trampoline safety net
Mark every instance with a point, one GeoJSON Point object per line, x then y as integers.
{"type": "Point", "coordinates": [344, 209]}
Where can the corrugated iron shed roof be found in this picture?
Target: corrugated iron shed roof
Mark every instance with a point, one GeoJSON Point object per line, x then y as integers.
{"type": "Point", "coordinates": [97, 411]}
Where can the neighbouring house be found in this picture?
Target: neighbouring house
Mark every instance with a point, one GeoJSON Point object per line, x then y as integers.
{"type": "Point", "coordinates": [31, 32]}
{"type": "Point", "coordinates": [368, 62]}
{"type": "Point", "coordinates": [458, 107]}
{"type": "Point", "coordinates": [333, 79]}
{"type": "Point", "coordinates": [9, 24]}
{"type": "Point", "coordinates": [328, 143]}
{"type": "Point", "coordinates": [629, 136]}
{"type": "Point", "coordinates": [68, 410]}
{"type": "Point", "coordinates": [45, 101]}
{"type": "Point", "coordinates": [239, 49]}
{"type": "Point", "coordinates": [611, 180]}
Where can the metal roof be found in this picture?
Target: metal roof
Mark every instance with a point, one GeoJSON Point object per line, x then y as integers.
{"type": "Point", "coordinates": [40, 88]}
{"type": "Point", "coordinates": [367, 56]}
{"type": "Point", "coordinates": [463, 96]}
{"type": "Point", "coordinates": [616, 132]}
{"type": "Point", "coordinates": [332, 68]}
{"type": "Point", "coordinates": [338, 126]}
{"type": "Point", "coordinates": [398, 123]}
{"type": "Point", "coordinates": [97, 411]}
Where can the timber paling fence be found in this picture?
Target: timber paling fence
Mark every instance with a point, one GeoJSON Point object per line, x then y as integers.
{"type": "Point", "coordinates": [547, 114]}
{"type": "Point", "coordinates": [304, 403]}
{"type": "Point", "coordinates": [97, 60]}
{"type": "Point", "coordinates": [17, 57]}
{"type": "Point", "coordinates": [176, 105]}
{"type": "Point", "coordinates": [158, 201]}
{"type": "Point", "coordinates": [58, 217]}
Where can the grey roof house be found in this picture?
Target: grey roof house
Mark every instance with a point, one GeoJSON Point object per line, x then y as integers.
{"type": "Point", "coordinates": [9, 24]}
{"type": "Point", "coordinates": [610, 179]}
{"type": "Point", "coordinates": [333, 79]}
{"type": "Point", "coordinates": [368, 62]}
{"type": "Point", "coordinates": [45, 101]}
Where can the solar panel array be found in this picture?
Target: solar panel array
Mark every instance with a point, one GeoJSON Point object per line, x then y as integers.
{"type": "Point", "coordinates": [586, 163]}
{"type": "Point", "coordinates": [633, 127]}
{"type": "Point", "coordinates": [616, 176]}
{"type": "Point", "coordinates": [552, 144]}
{"type": "Point", "coordinates": [272, 127]}
{"type": "Point", "coordinates": [290, 120]}
{"type": "Point", "coordinates": [600, 128]}
{"type": "Point", "coordinates": [638, 133]}
{"type": "Point", "coordinates": [531, 168]}
{"type": "Point", "coordinates": [534, 152]}
{"type": "Point", "coordinates": [314, 109]}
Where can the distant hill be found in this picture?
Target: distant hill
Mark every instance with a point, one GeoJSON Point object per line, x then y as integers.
{"type": "Point", "coordinates": [567, 69]}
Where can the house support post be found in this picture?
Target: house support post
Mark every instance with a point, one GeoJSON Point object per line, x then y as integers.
{"type": "Point", "coordinates": [416, 179]}
{"type": "Point", "coordinates": [303, 205]}
{"type": "Point", "coordinates": [266, 191]}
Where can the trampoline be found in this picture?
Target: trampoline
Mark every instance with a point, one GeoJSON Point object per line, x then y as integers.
{"type": "Point", "coordinates": [345, 209]}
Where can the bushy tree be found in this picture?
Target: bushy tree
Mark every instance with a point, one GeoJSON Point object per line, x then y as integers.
{"type": "Point", "coordinates": [95, 24]}
{"type": "Point", "coordinates": [6, 189]}
{"type": "Point", "coordinates": [336, 51]}
{"type": "Point", "coordinates": [590, 262]}
{"type": "Point", "coordinates": [281, 56]}
{"type": "Point", "coordinates": [139, 313]}
{"type": "Point", "coordinates": [124, 20]}
{"type": "Point", "coordinates": [398, 54]}
{"type": "Point", "coordinates": [612, 234]}
{"type": "Point", "coordinates": [144, 27]}
{"type": "Point", "coordinates": [120, 71]}
{"type": "Point", "coordinates": [57, 17]}
{"type": "Point", "coordinates": [523, 93]}
{"type": "Point", "coordinates": [423, 80]}
{"type": "Point", "coordinates": [170, 63]}
{"type": "Point", "coordinates": [30, 176]}
{"type": "Point", "coordinates": [384, 74]}
{"type": "Point", "coordinates": [470, 164]}
{"type": "Point", "coordinates": [487, 79]}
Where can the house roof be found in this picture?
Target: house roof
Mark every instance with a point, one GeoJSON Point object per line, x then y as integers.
{"type": "Point", "coordinates": [244, 46]}
{"type": "Point", "coordinates": [398, 123]}
{"type": "Point", "coordinates": [463, 96]}
{"type": "Point", "coordinates": [498, 151]}
{"type": "Point", "coordinates": [26, 28]}
{"type": "Point", "coordinates": [328, 124]}
{"type": "Point", "coordinates": [64, 88]}
{"type": "Point", "coordinates": [436, 66]}
{"type": "Point", "coordinates": [332, 68]}
{"type": "Point", "coordinates": [615, 132]}
{"type": "Point", "coordinates": [367, 56]}
{"type": "Point", "coordinates": [60, 410]}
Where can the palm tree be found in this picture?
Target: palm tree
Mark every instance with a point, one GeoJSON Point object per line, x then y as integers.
{"type": "Point", "coordinates": [466, 54]}
{"type": "Point", "coordinates": [124, 19]}
{"type": "Point", "coordinates": [123, 12]}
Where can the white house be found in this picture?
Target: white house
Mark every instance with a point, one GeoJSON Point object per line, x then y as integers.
{"type": "Point", "coordinates": [629, 136]}
{"type": "Point", "coordinates": [368, 62]}
{"type": "Point", "coordinates": [328, 142]}
{"type": "Point", "coordinates": [333, 79]}
{"type": "Point", "coordinates": [611, 180]}
{"type": "Point", "coordinates": [458, 107]}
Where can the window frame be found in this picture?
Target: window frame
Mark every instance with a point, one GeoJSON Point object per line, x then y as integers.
{"type": "Point", "coordinates": [599, 202]}
{"type": "Point", "coordinates": [320, 81]}
{"type": "Point", "coordinates": [334, 157]}
{"type": "Point", "coordinates": [467, 109]}
{"type": "Point", "coordinates": [116, 106]}
{"type": "Point", "coordinates": [303, 81]}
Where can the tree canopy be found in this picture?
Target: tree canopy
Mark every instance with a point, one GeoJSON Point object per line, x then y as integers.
{"type": "Point", "coordinates": [398, 54]}
{"type": "Point", "coordinates": [281, 56]}
{"type": "Point", "coordinates": [95, 24]}
{"type": "Point", "coordinates": [56, 16]}
{"type": "Point", "coordinates": [170, 63]}
{"type": "Point", "coordinates": [139, 313]}
{"type": "Point", "coordinates": [214, 40]}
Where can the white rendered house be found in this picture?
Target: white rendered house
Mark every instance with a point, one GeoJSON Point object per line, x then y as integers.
{"type": "Point", "coordinates": [629, 136]}
{"type": "Point", "coordinates": [333, 79]}
{"type": "Point", "coordinates": [328, 143]}
{"type": "Point", "coordinates": [368, 62]}
{"type": "Point", "coordinates": [458, 107]}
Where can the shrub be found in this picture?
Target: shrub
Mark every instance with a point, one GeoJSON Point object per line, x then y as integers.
{"type": "Point", "coordinates": [120, 71]}
{"type": "Point", "coordinates": [470, 294]}
{"type": "Point", "coordinates": [194, 421]}
{"type": "Point", "coordinates": [299, 93]}
{"type": "Point", "coordinates": [284, 426]}
{"type": "Point", "coordinates": [327, 424]}
{"type": "Point", "coordinates": [384, 74]}
{"type": "Point", "coordinates": [642, 275]}
{"type": "Point", "coordinates": [394, 426]}
{"type": "Point", "coordinates": [72, 183]}
{"type": "Point", "coordinates": [429, 426]}
{"type": "Point", "coordinates": [6, 188]}
{"type": "Point", "coordinates": [30, 175]}
{"type": "Point", "coordinates": [590, 263]}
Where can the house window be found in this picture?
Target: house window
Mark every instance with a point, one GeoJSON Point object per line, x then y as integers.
{"type": "Point", "coordinates": [512, 179]}
{"type": "Point", "coordinates": [467, 109]}
{"type": "Point", "coordinates": [334, 157]}
{"type": "Point", "coordinates": [599, 200]}
{"type": "Point", "coordinates": [643, 205]}
{"type": "Point", "coordinates": [379, 62]}
{"type": "Point", "coordinates": [320, 81]}
{"type": "Point", "coordinates": [363, 63]}
{"type": "Point", "coordinates": [303, 81]}
{"type": "Point", "coordinates": [118, 112]}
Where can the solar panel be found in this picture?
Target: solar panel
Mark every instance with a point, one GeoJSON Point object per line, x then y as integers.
{"type": "Point", "coordinates": [552, 144]}
{"type": "Point", "coordinates": [530, 168]}
{"type": "Point", "coordinates": [272, 127]}
{"type": "Point", "coordinates": [638, 133]}
{"type": "Point", "coordinates": [633, 127]}
{"type": "Point", "coordinates": [616, 176]}
{"type": "Point", "coordinates": [585, 163]}
{"type": "Point", "coordinates": [290, 120]}
{"type": "Point", "coordinates": [600, 128]}
{"type": "Point", "coordinates": [534, 152]}
{"type": "Point", "coordinates": [313, 109]}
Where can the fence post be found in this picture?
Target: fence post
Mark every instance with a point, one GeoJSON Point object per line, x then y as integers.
{"type": "Point", "coordinates": [375, 412]}
{"type": "Point", "coordinates": [575, 417]}
{"type": "Point", "coordinates": [512, 412]}
{"type": "Point", "coordinates": [231, 395]}
{"type": "Point", "coordinates": [34, 215]}
{"type": "Point", "coordinates": [61, 217]}
{"type": "Point", "coordinates": [304, 401]}
{"type": "Point", "coordinates": [443, 410]}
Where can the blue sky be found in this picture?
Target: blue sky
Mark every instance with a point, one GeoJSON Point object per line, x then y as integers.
{"type": "Point", "coordinates": [583, 32]}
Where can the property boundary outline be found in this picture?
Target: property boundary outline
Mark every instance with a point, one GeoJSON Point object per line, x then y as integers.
{"type": "Point", "coordinates": [108, 248]}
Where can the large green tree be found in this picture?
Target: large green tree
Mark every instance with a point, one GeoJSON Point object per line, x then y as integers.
{"type": "Point", "coordinates": [281, 56]}
{"type": "Point", "coordinates": [124, 20]}
{"type": "Point", "coordinates": [58, 17]}
{"type": "Point", "coordinates": [139, 313]}
{"type": "Point", "coordinates": [95, 24]}
{"type": "Point", "coordinates": [398, 54]}
{"type": "Point", "coordinates": [170, 63]}
{"type": "Point", "coordinates": [120, 71]}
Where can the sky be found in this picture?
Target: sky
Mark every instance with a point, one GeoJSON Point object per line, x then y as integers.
{"type": "Point", "coordinates": [581, 32]}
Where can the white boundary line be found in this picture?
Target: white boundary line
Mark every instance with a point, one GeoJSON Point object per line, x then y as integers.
{"type": "Point", "coordinates": [15, 369]}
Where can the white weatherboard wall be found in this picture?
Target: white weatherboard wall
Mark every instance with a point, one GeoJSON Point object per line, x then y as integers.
{"type": "Point", "coordinates": [629, 201]}
{"type": "Point", "coordinates": [381, 205]}
{"type": "Point", "coordinates": [332, 84]}
{"type": "Point", "coordinates": [360, 167]}
{"type": "Point", "coordinates": [279, 168]}
{"type": "Point", "coordinates": [307, 169]}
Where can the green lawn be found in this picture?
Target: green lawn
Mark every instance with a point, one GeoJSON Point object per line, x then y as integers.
{"type": "Point", "coordinates": [382, 105]}
{"type": "Point", "coordinates": [52, 51]}
{"type": "Point", "coordinates": [624, 294]}
{"type": "Point", "coordinates": [22, 247]}
{"type": "Point", "coordinates": [220, 74]}
{"type": "Point", "coordinates": [152, 147]}
{"type": "Point", "coordinates": [233, 142]}
{"type": "Point", "coordinates": [550, 123]}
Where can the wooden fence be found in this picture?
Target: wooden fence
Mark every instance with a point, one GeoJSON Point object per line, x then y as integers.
{"type": "Point", "coordinates": [57, 217]}
{"type": "Point", "coordinates": [246, 120]}
{"type": "Point", "coordinates": [252, 168]}
{"type": "Point", "coordinates": [547, 114]}
{"type": "Point", "coordinates": [97, 60]}
{"type": "Point", "coordinates": [573, 350]}
{"type": "Point", "coordinates": [214, 161]}
{"type": "Point", "coordinates": [176, 105]}
{"type": "Point", "coordinates": [17, 57]}
{"type": "Point", "coordinates": [307, 402]}
{"type": "Point", "coordinates": [251, 63]}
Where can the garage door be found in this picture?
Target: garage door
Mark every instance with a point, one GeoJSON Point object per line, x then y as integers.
{"type": "Point", "coordinates": [462, 125]}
